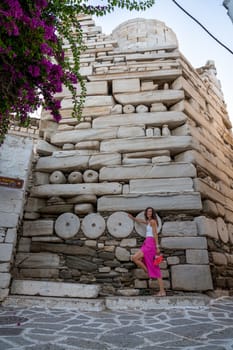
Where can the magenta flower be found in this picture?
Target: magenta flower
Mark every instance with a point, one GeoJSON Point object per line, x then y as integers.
{"type": "Point", "coordinates": [34, 71]}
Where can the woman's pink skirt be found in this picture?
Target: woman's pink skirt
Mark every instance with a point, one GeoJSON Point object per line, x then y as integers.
{"type": "Point", "coordinates": [149, 251]}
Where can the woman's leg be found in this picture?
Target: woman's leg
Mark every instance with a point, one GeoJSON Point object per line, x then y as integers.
{"type": "Point", "coordinates": [137, 259]}
{"type": "Point", "coordinates": [162, 291]}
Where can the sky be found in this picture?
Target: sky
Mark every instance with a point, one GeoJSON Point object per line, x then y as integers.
{"type": "Point", "coordinates": [194, 43]}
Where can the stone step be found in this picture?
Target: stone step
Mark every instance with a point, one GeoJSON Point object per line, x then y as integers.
{"type": "Point", "coordinates": [54, 289]}
{"type": "Point", "coordinates": [110, 303]}
{"type": "Point", "coordinates": [78, 304]}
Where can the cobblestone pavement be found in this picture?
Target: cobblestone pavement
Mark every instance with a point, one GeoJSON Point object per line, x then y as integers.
{"type": "Point", "coordinates": [36, 328]}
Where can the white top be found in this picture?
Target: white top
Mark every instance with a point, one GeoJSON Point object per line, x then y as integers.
{"type": "Point", "coordinates": [149, 231]}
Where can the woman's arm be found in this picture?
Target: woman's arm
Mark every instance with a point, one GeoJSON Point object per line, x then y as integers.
{"type": "Point", "coordinates": [141, 221]}
{"type": "Point", "coordinates": [155, 233]}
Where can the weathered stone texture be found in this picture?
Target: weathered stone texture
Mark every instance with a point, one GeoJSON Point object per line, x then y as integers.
{"type": "Point", "coordinates": [179, 228]}
{"type": "Point", "coordinates": [154, 132]}
{"type": "Point", "coordinates": [136, 203]}
{"type": "Point", "coordinates": [54, 289]}
{"type": "Point", "coordinates": [200, 277]}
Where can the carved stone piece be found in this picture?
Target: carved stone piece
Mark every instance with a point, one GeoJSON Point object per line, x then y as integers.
{"type": "Point", "coordinates": [57, 177]}
{"type": "Point", "coordinates": [90, 176]}
{"type": "Point", "coordinates": [93, 225]}
{"type": "Point", "coordinates": [67, 225]}
{"type": "Point", "coordinates": [75, 177]}
{"type": "Point", "coordinates": [119, 225]}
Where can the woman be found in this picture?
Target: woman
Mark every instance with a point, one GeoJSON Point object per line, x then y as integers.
{"type": "Point", "coordinates": [144, 258]}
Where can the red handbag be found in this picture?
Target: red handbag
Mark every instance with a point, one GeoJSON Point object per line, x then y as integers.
{"type": "Point", "coordinates": [158, 259]}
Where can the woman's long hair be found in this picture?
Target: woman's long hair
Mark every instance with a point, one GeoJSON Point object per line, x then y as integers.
{"type": "Point", "coordinates": [153, 214]}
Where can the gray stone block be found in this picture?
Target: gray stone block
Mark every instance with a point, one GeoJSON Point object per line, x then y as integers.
{"type": "Point", "coordinates": [179, 228]}
{"type": "Point", "coordinates": [196, 256]}
{"type": "Point", "coordinates": [191, 277]}
{"type": "Point", "coordinates": [6, 250]}
{"type": "Point", "coordinates": [5, 279]}
{"type": "Point", "coordinates": [184, 243]}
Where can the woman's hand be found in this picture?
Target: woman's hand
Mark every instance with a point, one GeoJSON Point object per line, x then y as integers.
{"type": "Point", "coordinates": [131, 216]}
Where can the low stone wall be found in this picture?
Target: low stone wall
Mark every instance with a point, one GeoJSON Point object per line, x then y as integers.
{"type": "Point", "coordinates": [96, 249]}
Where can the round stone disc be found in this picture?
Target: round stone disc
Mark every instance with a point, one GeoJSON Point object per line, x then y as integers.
{"type": "Point", "coordinates": [93, 225]}
{"type": "Point", "coordinates": [67, 225]}
{"type": "Point", "coordinates": [119, 224]}
{"type": "Point", "coordinates": [141, 228]}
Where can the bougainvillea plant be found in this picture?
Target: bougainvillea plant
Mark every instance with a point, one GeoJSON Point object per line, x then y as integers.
{"type": "Point", "coordinates": [33, 64]}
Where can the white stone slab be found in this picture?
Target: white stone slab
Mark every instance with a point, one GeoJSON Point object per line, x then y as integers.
{"type": "Point", "coordinates": [126, 85]}
{"type": "Point", "coordinates": [170, 170]}
{"type": "Point", "coordinates": [87, 145]}
{"type": "Point", "coordinates": [165, 96]}
{"type": "Point", "coordinates": [95, 101]}
{"type": "Point", "coordinates": [155, 74]}
{"type": "Point", "coordinates": [174, 202]}
{"type": "Point", "coordinates": [175, 144]}
{"type": "Point", "coordinates": [69, 163]}
{"type": "Point", "coordinates": [130, 131]}
{"type": "Point", "coordinates": [71, 190]}
{"type": "Point", "coordinates": [97, 161]}
{"type": "Point", "coordinates": [16, 156]}
{"type": "Point", "coordinates": [54, 289]}
{"type": "Point", "coordinates": [171, 118]}
{"type": "Point", "coordinates": [43, 148]}
{"type": "Point", "coordinates": [94, 88]}
{"type": "Point", "coordinates": [75, 136]}
{"type": "Point", "coordinates": [161, 185]}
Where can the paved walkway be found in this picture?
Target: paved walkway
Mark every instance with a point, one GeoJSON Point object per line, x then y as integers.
{"type": "Point", "coordinates": [195, 327]}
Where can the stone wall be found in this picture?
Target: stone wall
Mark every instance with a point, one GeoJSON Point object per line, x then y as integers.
{"type": "Point", "coordinates": [15, 162]}
{"type": "Point", "coordinates": [212, 155]}
{"type": "Point", "coordinates": [29, 131]}
{"type": "Point", "coordinates": [154, 132]}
